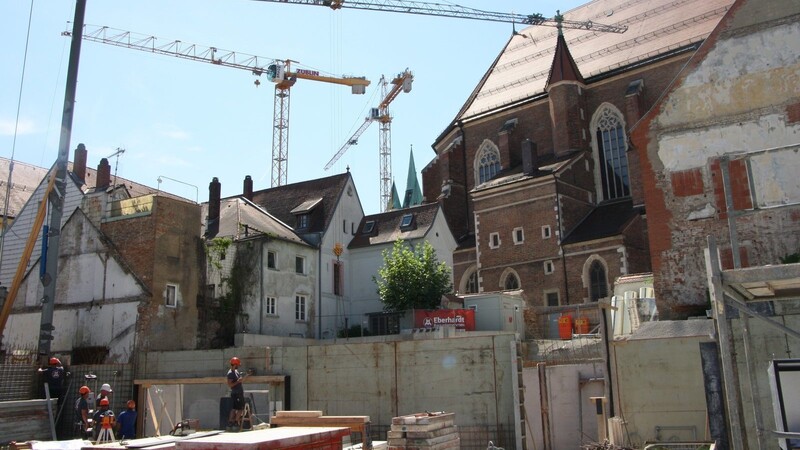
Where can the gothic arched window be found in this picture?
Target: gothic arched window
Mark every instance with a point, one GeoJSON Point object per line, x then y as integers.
{"type": "Point", "coordinates": [487, 162]}
{"type": "Point", "coordinates": [611, 158]}
{"type": "Point", "coordinates": [598, 288]}
{"type": "Point", "coordinates": [511, 282]}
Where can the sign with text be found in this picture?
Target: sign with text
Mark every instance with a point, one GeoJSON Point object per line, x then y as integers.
{"type": "Point", "coordinates": [463, 319]}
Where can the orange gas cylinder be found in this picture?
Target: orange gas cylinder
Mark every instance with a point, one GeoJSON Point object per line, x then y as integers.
{"type": "Point", "coordinates": [565, 327]}
{"type": "Point", "coordinates": [582, 325]}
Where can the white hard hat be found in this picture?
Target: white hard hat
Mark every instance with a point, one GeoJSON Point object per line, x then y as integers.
{"type": "Point", "coordinates": [106, 387]}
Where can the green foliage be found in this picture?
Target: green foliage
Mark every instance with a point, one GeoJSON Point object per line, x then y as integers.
{"type": "Point", "coordinates": [791, 259]}
{"type": "Point", "coordinates": [236, 286]}
{"type": "Point", "coordinates": [216, 249]}
{"type": "Point", "coordinates": [412, 278]}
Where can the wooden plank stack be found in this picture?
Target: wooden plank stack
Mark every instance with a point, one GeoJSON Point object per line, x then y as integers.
{"type": "Point", "coordinates": [424, 431]}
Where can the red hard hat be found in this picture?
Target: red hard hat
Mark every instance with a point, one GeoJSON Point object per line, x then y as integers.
{"type": "Point", "coordinates": [103, 402]}
{"type": "Point", "coordinates": [235, 361]}
{"type": "Point", "coordinates": [55, 362]}
{"type": "Point", "coordinates": [84, 390]}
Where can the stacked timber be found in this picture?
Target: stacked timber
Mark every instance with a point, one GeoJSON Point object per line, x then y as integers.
{"type": "Point", "coordinates": [424, 431]}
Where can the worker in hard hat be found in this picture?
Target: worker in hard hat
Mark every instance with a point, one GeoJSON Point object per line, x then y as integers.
{"type": "Point", "coordinates": [105, 392]}
{"type": "Point", "coordinates": [126, 421]}
{"type": "Point", "coordinates": [235, 379]}
{"type": "Point", "coordinates": [54, 376]}
{"type": "Point", "coordinates": [103, 417]}
{"type": "Point", "coordinates": [82, 412]}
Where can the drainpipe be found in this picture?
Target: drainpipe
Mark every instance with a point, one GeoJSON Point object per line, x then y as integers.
{"type": "Point", "coordinates": [560, 238]}
{"type": "Point", "coordinates": [261, 289]}
{"type": "Point", "coordinates": [319, 286]}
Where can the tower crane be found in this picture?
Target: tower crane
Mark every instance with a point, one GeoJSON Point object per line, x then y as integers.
{"type": "Point", "coordinates": [463, 12]}
{"type": "Point", "coordinates": [401, 82]}
{"type": "Point", "coordinates": [278, 71]}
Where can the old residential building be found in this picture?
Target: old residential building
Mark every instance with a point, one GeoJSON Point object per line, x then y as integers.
{"type": "Point", "coordinates": [535, 174]}
{"type": "Point", "coordinates": [128, 261]}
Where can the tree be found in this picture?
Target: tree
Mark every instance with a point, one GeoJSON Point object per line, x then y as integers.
{"type": "Point", "coordinates": [412, 278]}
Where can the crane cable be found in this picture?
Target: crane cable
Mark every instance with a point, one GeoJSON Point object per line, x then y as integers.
{"type": "Point", "coordinates": [14, 141]}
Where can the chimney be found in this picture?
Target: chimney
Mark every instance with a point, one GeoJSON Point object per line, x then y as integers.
{"type": "Point", "coordinates": [529, 163]}
{"type": "Point", "coordinates": [247, 191]}
{"type": "Point", "coordinates": [212, 221]}
{"type": "Point", "coordinates": [79, 162]}
{"type": "Point", "coordinates": [103, 174]}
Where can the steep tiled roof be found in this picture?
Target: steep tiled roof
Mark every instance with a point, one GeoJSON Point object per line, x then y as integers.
{"type": "Point", "coordinates": [239, 219]}
{"type": "Point", "coordinates": [564, 67]}
{"type": "Point", "coordinates": [281, 200]}
{"type": "Point", "coordinates": [607, 219]}
{"type": "Point", "coordinates": [655, 28]}
{"type": "Point", "coordinates": [386, 226]}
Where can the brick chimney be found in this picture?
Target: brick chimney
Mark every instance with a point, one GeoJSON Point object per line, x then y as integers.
{"type": "Point", "coordinates": [79, 162]}
{"type": "Point", "coordinates": [212, 221]}
{"type": "Point", "coordinates": [103, 174]}
{"type": "Point", "coordinates": [247, 191]}
{"type": "Point", "coordinates": [529, 157]}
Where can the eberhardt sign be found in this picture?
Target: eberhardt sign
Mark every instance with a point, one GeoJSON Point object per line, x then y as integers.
{"type": "Point", "coordinates": [463, 319]}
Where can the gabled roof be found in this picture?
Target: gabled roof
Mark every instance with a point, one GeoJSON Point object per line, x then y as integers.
{"type": "Point", "coordinates": [655, 28]}
{"type": "Point", "coordinates": [241, 219]}
{"type": "Point", "coordinates": [606, 220]}
{"type": "Point", "coordinates": [387, 228]}
{"type": "Point", "coordinates": [280, 201]}
{"type": "Point", "coordinates": [545, 165]}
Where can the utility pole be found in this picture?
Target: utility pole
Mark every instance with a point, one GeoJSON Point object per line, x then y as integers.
{"type": "Point", "coordinates": [53, 234]}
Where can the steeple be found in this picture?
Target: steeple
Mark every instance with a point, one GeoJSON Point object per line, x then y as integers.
{"type": "Point", "coordinates": [413, 195]}
{"type": "Point", "coordinates": [563, 67]}
{"type": "Point", "coordinates": [394, 203]}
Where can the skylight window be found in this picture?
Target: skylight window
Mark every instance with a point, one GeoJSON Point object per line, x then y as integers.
{"type": "Point", "coordinates": [406, 221]}
{"type": "Point", "coordinates": [369, 226]}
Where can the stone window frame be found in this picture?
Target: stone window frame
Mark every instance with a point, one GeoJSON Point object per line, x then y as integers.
{"type": "Point", "coordinates": [605, 117]}
{"type": "Point", "coordinates": [467, 278]}
{"type": "Point", "coordinates": [586, 275]}
{"type": "Point", "coordinates": [270, 306]}
{"type": "Point", "coordinates": [549, 267]}
{"type": "Point", "coordinates": [171, 295]}
{"type": "Point", "coordinates": [547, 232]}
{"type": "Point", "coordinates": [274, 265]}
{"type": "Point", "coordinates": [486, 169]}
{"type": "Point", "coordinates": [494, 240]}
{"type": "Point", "coordinates": [518, 235]}
{"type": "Point", "coordinates": [547, 292]}
{"type": "Point", "coordinates": [301, 307]}
{"type": "Point", "coordinates": [300, 262]}
{"type": "Point", "coordinates": [504, 277]}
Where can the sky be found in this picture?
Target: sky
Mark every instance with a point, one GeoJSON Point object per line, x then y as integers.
{"type": "Point", "coordinates": [187, 122]}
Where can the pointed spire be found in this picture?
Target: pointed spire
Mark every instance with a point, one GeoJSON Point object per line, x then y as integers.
{"type": "Point", "coordinates": [413, 195]}
{"type": "Point", "coordinates": [564, 67]}
{"type": "Point", "coordinates": [394, 203]}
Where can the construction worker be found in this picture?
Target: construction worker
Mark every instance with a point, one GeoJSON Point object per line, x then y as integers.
{"type": "Point", "coordinates": [235, 380]}
{"type": "Point", "coordinates": [54, 376]}
{"type": "Point", "coordinates": [126, 421]}
{"type": "Point", "coordinates": [103, 418]}
{"type": "Point", "coordinates": [105, 391]}
{"type": "Point", "coordinates": [82, 412]}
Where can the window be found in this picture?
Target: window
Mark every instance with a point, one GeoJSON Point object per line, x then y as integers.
{"type": "Point", "coordinates": [597, 276]}
{"type": "Point", "coordinates": [271, 260]}
{"type": "Point", "coordinates": [551, 298]}
{"type": "Point", "coordinates": [300, 308]}
{"type": "Point", "coordinates": [546, 233]}
{"type": "Point", "coordinates": [611, 155]}
{"type": "Point", "coordinates": [211, 291]}
{"type": "Point", "coordinates": [548, 267]}
{"type": "Point", "coordinates": [487, 162]}
{"type": "Point", "coordinates": [171, 296]}
{"type": "Point", "coordinates": [494, 240]}
{"type": "Point", "coordinates": [519, 236]}
{"type": "Point", "coordinates": [299, 264]}
{"type": "Point", "coordinates": [338, 275]}
{"type": "Point", "coordinates": [302, 221]}
{"type": "Point", "coordinates": [472, 283]}
{"type": "Point", "coordinates": [511, 282]}
{"type": "Point", "coordinates": [406, 221]}
{"type": "Point", "coordinates": [369, 226]}
{"type": "Point", "coordinates": [270, 306]}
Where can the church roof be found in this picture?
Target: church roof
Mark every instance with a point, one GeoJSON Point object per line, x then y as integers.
{"type": "Point", "coordinates": [564, 67]}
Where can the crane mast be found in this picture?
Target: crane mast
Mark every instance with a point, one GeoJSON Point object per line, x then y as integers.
{"type": "Point", "coordinates": [400, 83]}
{"type": "Point", "coordinates": [457, 11]}
{"type": "Point", "coordinates": [278, 72]}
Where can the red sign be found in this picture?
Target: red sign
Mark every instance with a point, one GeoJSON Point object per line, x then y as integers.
{"type": "Point", "coordinates": [463, 319]}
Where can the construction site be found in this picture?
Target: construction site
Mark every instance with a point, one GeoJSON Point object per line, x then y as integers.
{"type": "Point", "coordinates": [604, 253]}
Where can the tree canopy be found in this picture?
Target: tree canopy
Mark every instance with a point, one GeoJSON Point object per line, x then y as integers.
{"type": "Point", "coordinates": [412, 278]}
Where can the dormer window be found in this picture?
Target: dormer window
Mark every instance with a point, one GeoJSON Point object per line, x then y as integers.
{"type": "Point", "coordinates": [407, 222]}
{"type": "Point", "coordinates": [302, 221]}
{"type": "Point", "coordinates": [369, 227]}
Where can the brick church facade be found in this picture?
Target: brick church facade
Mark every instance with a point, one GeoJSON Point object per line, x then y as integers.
{"type": "Point", "coordinates": [536, 175]}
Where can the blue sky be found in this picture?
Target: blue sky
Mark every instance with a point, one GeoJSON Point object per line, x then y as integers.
{"type": "Point", "coordinates": [190, 121]}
